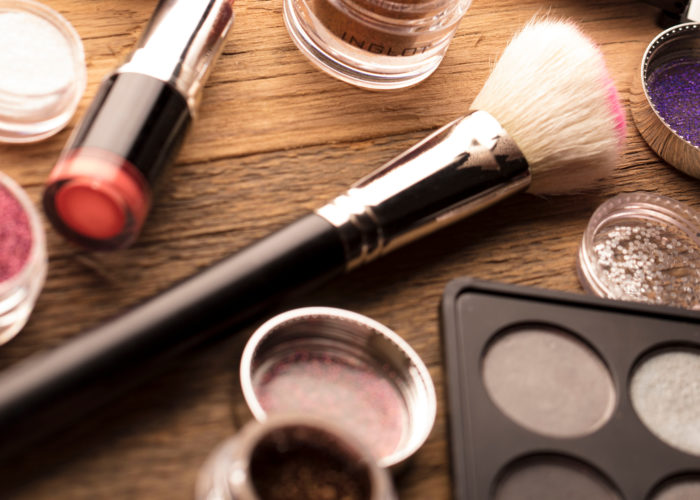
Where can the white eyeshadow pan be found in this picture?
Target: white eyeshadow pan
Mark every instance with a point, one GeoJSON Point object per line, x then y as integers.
{"type": "Point", "coordinates": [665, 393]}
{"type": "Point", "coordinates": [548, 381]}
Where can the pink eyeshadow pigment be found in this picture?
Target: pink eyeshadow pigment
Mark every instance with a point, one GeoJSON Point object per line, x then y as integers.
{"type": "Point", "coordinates": [356, 397]}
{"type": "Point", "coordinates": [15, 235]}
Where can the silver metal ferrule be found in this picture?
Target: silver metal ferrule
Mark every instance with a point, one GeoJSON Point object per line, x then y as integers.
{"type": "Point", "coordinates": [181, 43]}
{"type": "Point", "coordinates": [462, 168]}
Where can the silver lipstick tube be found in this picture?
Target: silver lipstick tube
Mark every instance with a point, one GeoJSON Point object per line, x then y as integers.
{"type": "Point", "coordinates": [460, 169]}
{"type": "Point", "coordinates": [182, 61]}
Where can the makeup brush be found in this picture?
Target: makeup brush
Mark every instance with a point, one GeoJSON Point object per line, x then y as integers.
{"type": "Point", "coordinates": [547, 120]}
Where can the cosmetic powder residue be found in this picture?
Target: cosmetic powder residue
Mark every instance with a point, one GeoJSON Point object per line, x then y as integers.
{"type": "Point", "coordinates": [34, 55]}
{"type": "Point", "coordinates": [357, 398]}
{"type": "Point", "coordinates": [674, 88]}
{"type": "Point", "coordinates": [15, 235]}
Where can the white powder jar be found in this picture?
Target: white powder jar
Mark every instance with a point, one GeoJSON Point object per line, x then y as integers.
{"type": "Point", "coordinates": [42, 71]}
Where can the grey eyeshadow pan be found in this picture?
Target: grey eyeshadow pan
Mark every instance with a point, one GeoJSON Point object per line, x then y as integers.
{"type": "Point", "coordinates": [548, 381]}
{"type": "Point", "coordinates": [553, 478]}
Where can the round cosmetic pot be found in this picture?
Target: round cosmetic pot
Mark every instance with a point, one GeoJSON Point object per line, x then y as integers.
{"type": "Point", "coordinates": [43, 75]}
{"type": "Point", "coordinates": [374, 44]}
{"type": "Point", "coordinates": [344, 368]}
{"type": "Point", "coordinates": [23, 261]}
{"type": "Point", "coordinates": [642, 247]}
{"type": "Point", "coordinates": [292, 457]}
{"type": "Point", "coordinates": [665, 98]}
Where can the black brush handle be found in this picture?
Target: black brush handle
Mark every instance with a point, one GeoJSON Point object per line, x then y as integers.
{"type": "Point", "coordinates": [50, 390]}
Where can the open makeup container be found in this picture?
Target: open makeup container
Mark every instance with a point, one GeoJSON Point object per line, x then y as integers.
{"type": "Point", "coordinates": [329, 381]}
{"type": "Point", "coordinates": [374, 44]}
{"type": "Point", "coordinates": [23, 260]}
{"type": "Point", "coordinates": [554, 395]}
{"type": "Point", "coordinates": [645, 248]}
{"type": "Point", "coordinates": [44, 73]}
{"type": "Point", "coordinates": [292, 457]}
{"type": "Point", "coordinates": [344, 368]}
{"type": "Point", "coordinates": [665, 98]}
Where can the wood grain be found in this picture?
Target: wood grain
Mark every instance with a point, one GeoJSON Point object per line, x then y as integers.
{"type": "Point", "coordinates": [274, 139]}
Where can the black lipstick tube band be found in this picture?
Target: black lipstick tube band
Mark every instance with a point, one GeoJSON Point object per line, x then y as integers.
{"type": "Point", "coordinates": [133, 129]}
{"type": "Point", "coordinates": [99, 193]}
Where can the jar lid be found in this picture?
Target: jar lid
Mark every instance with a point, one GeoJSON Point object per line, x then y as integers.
{"type": "Point", "coordinates": [643, 247]}
{"type": "Point", "coordinates": [44, 73]}
{"type": "Point", "coordinates": [346, 368]}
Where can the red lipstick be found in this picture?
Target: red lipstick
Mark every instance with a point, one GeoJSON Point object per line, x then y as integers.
{"type": "Point", "coordinates": [99, 193]}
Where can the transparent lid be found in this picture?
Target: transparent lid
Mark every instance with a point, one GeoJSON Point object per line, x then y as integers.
{"type": "Point", "coordinates": [643, 247]}
{"type": "Point", "coordinates": [44, 73]}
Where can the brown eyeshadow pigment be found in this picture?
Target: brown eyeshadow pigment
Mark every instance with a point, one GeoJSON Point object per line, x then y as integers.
{"type": "Point", "coordinates": [305, 466]}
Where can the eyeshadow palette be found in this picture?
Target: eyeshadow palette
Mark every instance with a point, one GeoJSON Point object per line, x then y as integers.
{"type": "Point", "coordinates": [568, 397]}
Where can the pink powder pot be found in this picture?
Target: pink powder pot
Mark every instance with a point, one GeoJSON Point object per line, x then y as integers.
{"type": "Point", "coordinates": [346, 369]}
{"type": "Point", "coordinates": [23, 259]}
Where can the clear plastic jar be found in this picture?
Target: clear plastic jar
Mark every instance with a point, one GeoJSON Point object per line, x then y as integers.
{"type": "Point", "coordinates": [44, 72]}
{"type": "Point", "coordinates": [22, 273]}
{"type": "Point", "coordinates": [292, 457]}
{"type": "Point", "coordinates": [643, 247]}
{"type": "Point", "coordinates": [375, 44]}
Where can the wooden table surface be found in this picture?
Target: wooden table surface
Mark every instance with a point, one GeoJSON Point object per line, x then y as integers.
{"type": "Point", "coordinates": [276, 138]}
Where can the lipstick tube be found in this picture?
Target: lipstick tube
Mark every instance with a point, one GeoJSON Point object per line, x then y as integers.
{"type": "Point", "coordinates": [99, 193]}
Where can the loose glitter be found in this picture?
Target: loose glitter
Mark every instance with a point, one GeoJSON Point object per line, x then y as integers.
{"type": "Point", "coordinates": [645, 248]}
{"type": "Point", "coordinates": [674, 89]}
{"type": "Point", "coordinates": [15, 235]}
{"type": "Point", "coordinates": [650, 263]}
{"type": "Point", "coordinates": [352, 395]}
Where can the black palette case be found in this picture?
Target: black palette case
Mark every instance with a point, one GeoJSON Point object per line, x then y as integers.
{"type": "Point", "coordinates": [493, 456]}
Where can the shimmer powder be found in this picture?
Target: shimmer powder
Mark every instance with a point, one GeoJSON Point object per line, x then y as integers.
{"type": "Point", "coordinates": [15, 235]}
{"type": "Point", "coordinates": [44, 73]}
{"type": "Point", "coordinates": [345, 369]}
{"type": "Point", "coordinates": [23, 261]}
{"type": "Point", "coordinates": [674, 89]}
{"type": "Point", "coordinates": [40, 57]}
{"type": "Point", "coordinates": [344, 391]}
{"type": "Point", "coordinates": [665, 392]}
{"type": "Point", "coordinates": [548, 381]}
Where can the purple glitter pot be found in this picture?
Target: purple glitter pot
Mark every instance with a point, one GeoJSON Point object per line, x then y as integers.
{"type": "Point", "coordinates": [344, 368]}
{"type": "Point", "coordinates": [665, 98]}
{"type": "Point", "coordinates": [23, 260]}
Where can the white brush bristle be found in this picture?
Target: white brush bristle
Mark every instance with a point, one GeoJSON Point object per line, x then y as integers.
{"type": "Point", "coordinates": [551, 91]}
